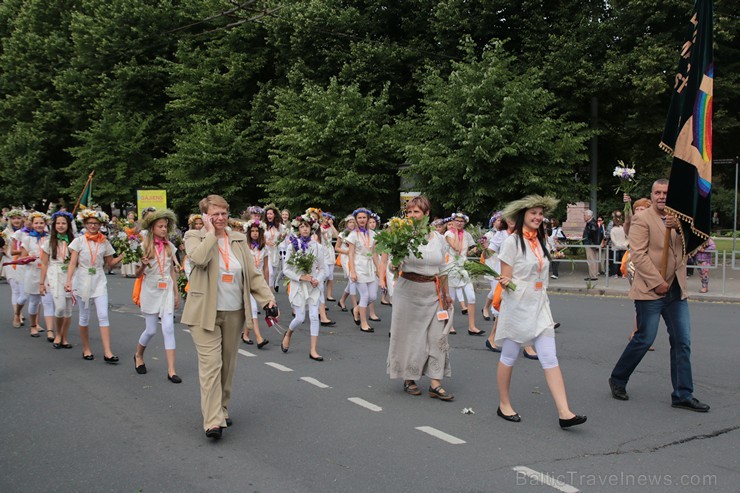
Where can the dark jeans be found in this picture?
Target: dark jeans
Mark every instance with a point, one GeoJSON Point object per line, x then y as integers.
{"type": "Point", "coordinates": [554, 267]}
{"type": "Point", "coordinates": [675, 313]}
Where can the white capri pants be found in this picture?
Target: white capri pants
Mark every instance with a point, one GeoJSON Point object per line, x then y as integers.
{"type": "Point", "coordinates": [300, 316]}
{"type": "Point", "coordinates": [34, 300]}
{"type": "Point", "coordinates": [351, 288]}
{"type": "Point", "coordinates": [368, 292]}
{"type": "Point", "coordinates": [468, 290]}
{"type": "Point", "coordinates": [168, 329]}
{"type": "Point", "coordinates": [330, 272]}
{"type": "Point", "coordinates": [63, 309]}
{"type": "Point", "coordinates": [101, 307]}
{"type": "Point", "coordinates": [18, 294]}
{"type": "Point", "coordinates": [544, 345]}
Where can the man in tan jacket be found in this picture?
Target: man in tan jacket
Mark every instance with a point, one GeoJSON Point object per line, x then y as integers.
{"type": "Point", "coordinates": [656, 295]}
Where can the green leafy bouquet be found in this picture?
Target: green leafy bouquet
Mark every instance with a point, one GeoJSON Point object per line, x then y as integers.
{"type": "Point", "coordinates": [182, 281]}
{"type": "Point", "coordinates": [403, 237]}
{"type": "Point", "coordinates": [476, 269]}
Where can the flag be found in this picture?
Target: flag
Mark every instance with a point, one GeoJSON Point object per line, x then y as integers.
{"type": "Point", "coordinates": [85, 200]}
{"type": "Point", "coordinates": [688, 132]}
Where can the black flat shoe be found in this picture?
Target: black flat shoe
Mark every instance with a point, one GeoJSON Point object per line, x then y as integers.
{"type": "Point", "coordinates": [484, 315]}
{"type": "Point", "coordinates": [282, 347]}
{"type": "Point", "coordinates": [67, 345]}
{"type": "Point", "coordinates": [88, 357]}
{"type": "Point", "coordinates": [331, 299]}
{"type": "Point", "coordinates": [465, 312]}
{"type": "Point", "coordinates": [574, 421]}
{"type": "Point", "coordinates": [514, 418]}
{"type": "Point", "coordinates": [369, 329]}
{"type": "Point", "coordinates": [479, 333]}
{"type": "Point", "coordinates": [318, 358]}
{"type": "Point", "coordinates": [357, 320]}
{"type": "Point", "coordinates": [529, 356]}
{"type": "Point", "coordinates": [341, 306]}
{"type": "Point", "coordinates": [112, 360]}
{"type": "Point", "coordinates": [330, 323]}
{"type": "Point", "coordinates": [214, 432]}
{"type": "Point", "coordinates": [248, 342]}
{"type": "Point", "coordinates": [56, 345]}
{"type": "Point", "coordinates": [262, 344]}
{"type": "Point", "coordinates": [229, 422]}
{"type": "Point", "coordinates": [374, 319]}
{"type": "Point", "coordinates": [35, 335]}
{"type": "Point", "coordinates": [174, 378]}
{"type": "Point", "coordinates": [491, 348]}
{"type": "Point", "coordinates": [386, 303]}
{"type": "Point", "coordinates": [50, 339]}
{"type": "Point", "coordinates": [140, 369]}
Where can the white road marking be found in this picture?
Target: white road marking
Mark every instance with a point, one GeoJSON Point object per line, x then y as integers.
{"type": "Point", "coordinates": [545, 479]}
{"type": "Point", "coordinates": [441, 435]}
{"type": "Point", "coordinates": [246, 353]}
{"type": "Point", "coordinates": [315, 382]}
{"type": "Point", "coordinates": [186, 330]}
{"type": "Point", "coordinates": [277, 366]}
{"type": "Point", "coordinates": [365, 404]}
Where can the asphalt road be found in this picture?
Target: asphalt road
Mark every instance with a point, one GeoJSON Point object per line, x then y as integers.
{"type": "Point", "coordinates": [75, 425]}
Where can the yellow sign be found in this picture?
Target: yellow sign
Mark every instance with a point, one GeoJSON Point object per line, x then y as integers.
{"type": "Point", "coordinates": [406, 196]}
{"type": "Point", "coordinates": [151, 198]}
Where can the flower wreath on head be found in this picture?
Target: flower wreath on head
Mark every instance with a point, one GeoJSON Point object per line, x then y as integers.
{"type": "Point", "coordinates": [62, 214]}
{"type": "Point", "coordinates": [496, 216]}
{"type": "Point", "coordinates": [329, 215]}
{"type": "Point", "coordinates": [86, 214]}
{"type": "Point", "coordinates": [17, 213]}
{"type": "Point", "coordinates": [255, 209]}
{"type": "Point", "coordinates": [376, 217]}
{"type": "Point", "coordinates": [193, 217]}
{"type": "Point", "coordinates": [314, 210]}
{"type": "Point", "coordinates": [368, 212]}
{"type": "Point", "coordinates": [254, 222]}
{"type": "Point", "coordinates": [439, 222]}
{"type": "Point", "coordinates": [459, 215]}
{"type": "Point", "coordinates": [305, 218]}
{"type": "Point", "coordinates": [33, 215]}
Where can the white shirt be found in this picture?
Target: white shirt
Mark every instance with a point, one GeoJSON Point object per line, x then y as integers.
{"type": "Point", "coordinates": [230, 296]}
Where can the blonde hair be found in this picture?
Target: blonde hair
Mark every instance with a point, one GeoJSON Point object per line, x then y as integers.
{"type": "Point", "coordinates": [646, 203]}
{"type": "Point", "coordinates": [216, 200]}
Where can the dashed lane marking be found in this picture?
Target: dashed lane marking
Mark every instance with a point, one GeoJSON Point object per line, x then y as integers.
{"type": "Point", "coordinates": [315, 382]}
{"type": "Point", "coordinates": [278, 366]}
{"type": "Point", "coordinates": [246, 353]}
{"type": "Point", "coordinates": [365, 404]}
{"type": "Point", "coordinates": [441, 435]}
{"type": "Point", "coordinates": [545, 479]}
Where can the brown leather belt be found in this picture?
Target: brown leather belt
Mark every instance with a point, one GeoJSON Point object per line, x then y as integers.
{"type": "Point", "coordinates": [414, 277]}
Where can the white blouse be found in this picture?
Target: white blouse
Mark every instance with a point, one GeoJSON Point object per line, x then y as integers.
{"type": "Point", "coordinates": [432, 260]}
{"type": "Point", "coordinates": [230, 295]}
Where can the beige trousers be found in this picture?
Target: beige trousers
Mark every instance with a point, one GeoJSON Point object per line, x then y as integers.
{"type": "Point", "coordinates": [217, 354]}
{"type": "Point", "coordinates": [592, 256]}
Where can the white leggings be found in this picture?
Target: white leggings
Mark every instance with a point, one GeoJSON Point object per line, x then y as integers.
{"type": "Point", "coordinates": [351, 288]}
{"type": "Point", "coordinates": [300, 316]}
{"type": "Point", "coordinates": [457, 293]}
{"type": "Point", "coordinates": [63, 310]}
{"type": "Point", "coordinates": [544, 345]}
{"type": "Point", "coordinates": [168, 329]}
{"type": "Point", "coordinates": [368, 292]}
{"type": "Point", "coordinates": [271, 271]}
{"type": "Point", "coordinates": [18, 294]}
{"type": "Point", "coordinates": [101, 307]}
{"type": "Point", "coordinates": [34, 300]}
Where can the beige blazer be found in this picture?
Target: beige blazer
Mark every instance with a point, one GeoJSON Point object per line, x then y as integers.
{"type": "Point", "coordinates": [202, 250]}
{"type": "Point", "coordinates": [647, 236]}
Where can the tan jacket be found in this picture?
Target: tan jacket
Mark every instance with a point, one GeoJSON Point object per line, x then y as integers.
{"type": "Point", "coordinates": [647, 236]}
{"type": "Point", "coordinates": [202, 250]}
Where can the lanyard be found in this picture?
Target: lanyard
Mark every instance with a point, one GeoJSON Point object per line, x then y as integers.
{"type": "Point", "coordinates": [366, 239]}
{"type": "Point", "coordinates": [534, 245]}
{"type": "Point", "coordinates": [437, 285]}
{"type": "Point", "coordinates": [256, 254]}
{"type": "Point", "coordinates": [225, 252]}
{"type": "Point", "coordinates": [461, 240]}
{"type": "Point", "coordinates": [92, 257]}
{"type": "Point", "coordinates": [163, 262]}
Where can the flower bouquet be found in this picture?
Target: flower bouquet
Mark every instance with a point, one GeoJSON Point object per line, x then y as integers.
{"type": "Point", "coordinates": [627, 182]}
{"type": "Point", "coordinates": [402, 238]}
{"type": "Point", "coordinates": [302, 260]}
{"type": "Point", "coordinates": [134, 252]}
{"type": "Point", "coordinates": [182, 282]}
{"type": "Point", "coordinates": [476, 269]}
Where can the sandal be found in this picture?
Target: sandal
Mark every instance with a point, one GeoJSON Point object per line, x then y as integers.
{"type": "Point", "coordinates": [440, 393]}
{"type": "Point", "coordinates": [410, 387]}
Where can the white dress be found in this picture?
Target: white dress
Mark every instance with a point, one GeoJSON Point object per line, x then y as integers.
{"type": "Point", "coordinates": [90, 280]}
{"type": "Point", "coordinates": [525, 312]}
{"type": "Point", "coordinates": [344, 258]}
{"type": "Point", "coordinates": [157, 292]}
{"type": "Point", "coordinates": [13, 242]}
{"type": "Point", "coordinates": [32, 274]}
{"type": "Point", "coordinates": [273, 234]}
{"type": "Point", "coordinates": [458, 276]}
{"type": "Point", "coordinates": [301, 292]}
{"type": "Point", "coordinates": [364, 247]}
{"type": "Point", "coordinates": [56, 275]}
{"type": "Point", "coordinates": [327, 234]}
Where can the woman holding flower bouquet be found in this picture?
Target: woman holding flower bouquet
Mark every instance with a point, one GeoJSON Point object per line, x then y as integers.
{"type": "Point", "coordinates": [420, 320]}
{"type": "Point", "coordinates": [256, 233]}
{"type": "Point", "coordinates": [55, 262]}
{"type": "Point", "coordinates": [459, 241]}
{"type": "Point", "coordinates": [525, 312]}
{"type": "Point", "coordinates": [306, 269]}
{"type": "Point", "coordinates": [363, 265]}
{"type": "Point", "coordinates": [31, 246]}
{"type": "Point", "coordinates": [159, 295]}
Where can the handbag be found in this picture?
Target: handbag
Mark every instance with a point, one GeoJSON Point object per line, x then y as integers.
{"type": "Point", "coordinates": [136, 293]}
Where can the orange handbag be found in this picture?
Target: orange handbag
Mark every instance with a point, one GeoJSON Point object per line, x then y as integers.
{"type": "Point", "coordinates": [136, 293]}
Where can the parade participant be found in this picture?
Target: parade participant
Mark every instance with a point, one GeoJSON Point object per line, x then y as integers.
{"type": "Point", "coordinates": [525, 312]}
{"type": "Point", "coordinates": [318, 216]}
{"type": "Point", "coordinates": [305, 280]}
{"type": "Point", "coordinates": [218, 305]}
{"type": "Point", "coordinates": [363, 264]}
{"type": "Point", "coordinates": [195, 223]}
{"type": "Point", "coordinates": [90, 255]}
{"type": "Point", "coordinates": [506, 227]}
{"type": "Point", "coordinates": [440, 225]}
{"type": "Point", "coordinates": [372, 225]}
{"type": "Point", "coordinates": [159, 296]}
{"type": "Point", "coordinates": [274, 234]}
{"type": "Point", "coordinates": [255, 231]}
{"type": "Point", "coordinates": [459, 241]}
{"type": "Point", "coordinates": [628, 268]}
{"type": "Point", "coordinates": [282, 249]}
{"type": "Point", "coordinates": [657, 295]}
{"type": "Point", "coordinates": [328, 233]}
{"type": "Point", "coordinates": [342, 248]}
{"type": "Point", "coordinates": [491, 260]}
{"type": "Point", "coordinates": [420, 321]}
{"type": "Point", "coordinates": [31, 245]}
{"type": "Point", "coordinates": [55, 256]}
{"type": "Point", "coordinates": [15, 273]}
{"type": "Point", "coordinates": [254, 213]}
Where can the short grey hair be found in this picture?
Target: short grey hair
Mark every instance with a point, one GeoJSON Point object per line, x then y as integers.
{"type": "Point", "coordinates": [589, 213]}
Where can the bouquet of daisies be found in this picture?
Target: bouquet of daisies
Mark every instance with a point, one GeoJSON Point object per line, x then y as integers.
{"type": "Point", "coordinates": [403, 237]}
{"type": "Point", "coordinates": [301, 259]}
{"type": "Point", "coordinates": [627, 182]}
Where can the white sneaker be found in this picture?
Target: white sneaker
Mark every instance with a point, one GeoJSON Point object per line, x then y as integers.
{"type": "Point", "coordinates": [553, 276]}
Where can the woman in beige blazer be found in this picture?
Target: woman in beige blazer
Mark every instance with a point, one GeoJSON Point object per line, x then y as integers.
{"type": "Point", "coordinates": [218, 305]}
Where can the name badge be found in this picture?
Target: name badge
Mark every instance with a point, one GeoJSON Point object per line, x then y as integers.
{"type": "Point", "coordinates": [38, 265]}
{"type": "Point", "coordinates": [92, 271]}
{"type": "Point", "coordinates": [539, 284]}
{"type": "Point", "coordinates": [443, 315]}
{"type": "Point", "coordinates": [65, 267]}
{"type": "Point", "coordinates": [227, 277]}
{"type": "Point", "coordinates": [162, 283]}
